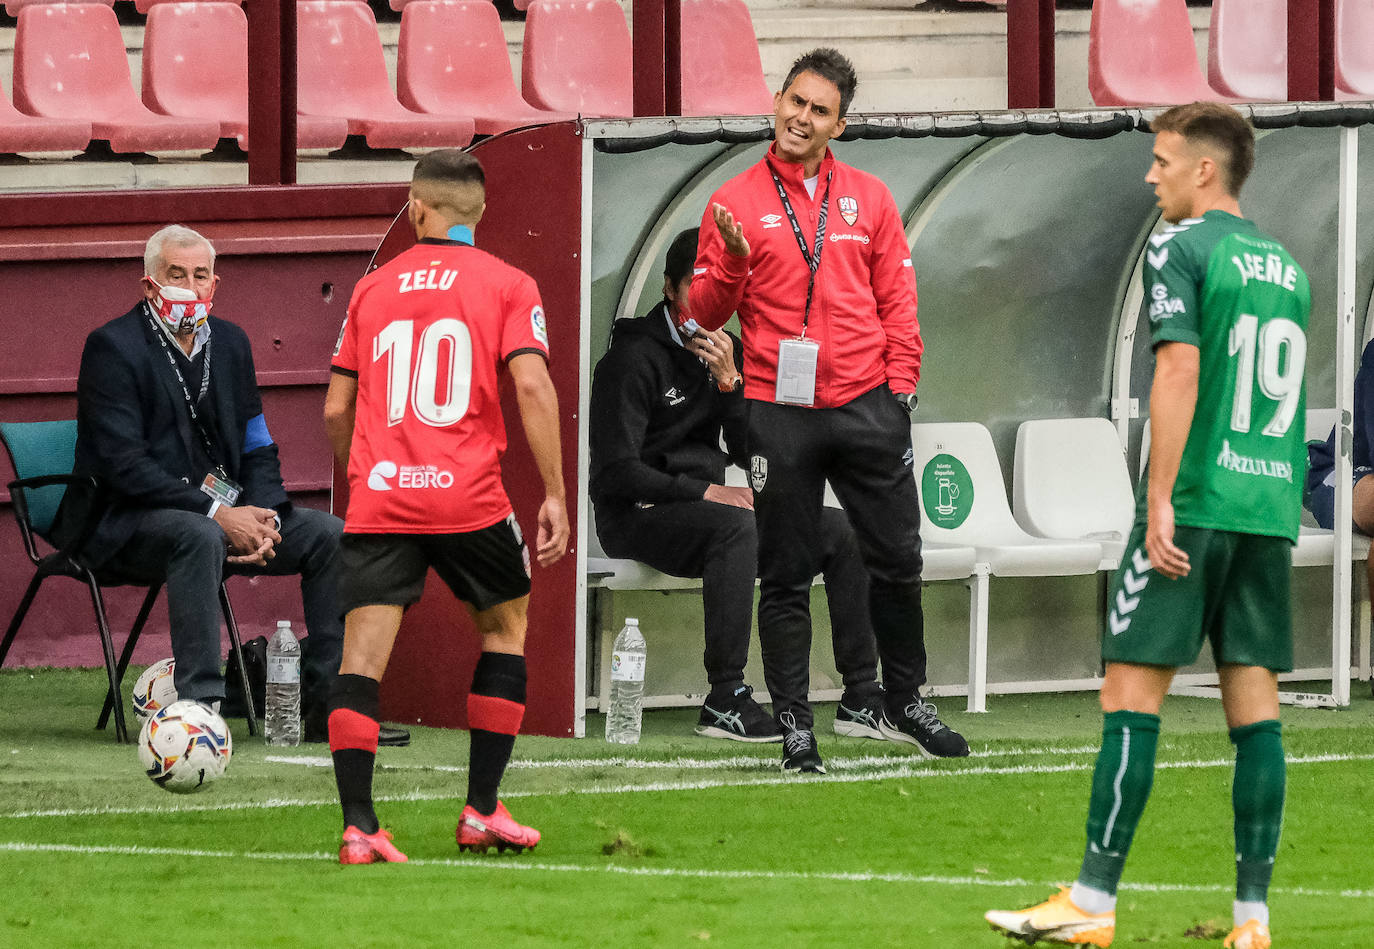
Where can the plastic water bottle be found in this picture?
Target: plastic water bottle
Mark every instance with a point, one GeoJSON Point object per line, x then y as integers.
{"type": "Point", "coordinates": [627, 685]}
{"type": "Point", "coordinates": [283, 725]}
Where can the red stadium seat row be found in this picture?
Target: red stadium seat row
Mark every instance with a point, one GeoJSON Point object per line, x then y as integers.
{"type": "Point", "coordinates": [1141, 52]}
{"type": "Point", "coordinates": [71, 76]}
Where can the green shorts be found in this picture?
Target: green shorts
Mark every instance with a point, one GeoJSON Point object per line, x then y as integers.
{"type": "Point", "coordinates": [1235, 594]}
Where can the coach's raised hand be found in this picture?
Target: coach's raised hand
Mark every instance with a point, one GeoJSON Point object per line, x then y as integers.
{"type": "Point", "coordinates": [731, 231]}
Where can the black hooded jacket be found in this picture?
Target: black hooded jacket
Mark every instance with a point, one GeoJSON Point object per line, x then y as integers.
{"type": "Point", "coordinates": [657, 418]}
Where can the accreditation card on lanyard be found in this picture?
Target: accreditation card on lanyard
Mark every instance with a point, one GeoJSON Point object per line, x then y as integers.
{"type": "Point", "coordinates": [798, 356]}
{"type": "Point", "coordinates": [216, 484]}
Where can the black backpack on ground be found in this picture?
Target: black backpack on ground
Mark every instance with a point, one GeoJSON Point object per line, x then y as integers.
{"type": "Point", "coordinates": [255, 661]}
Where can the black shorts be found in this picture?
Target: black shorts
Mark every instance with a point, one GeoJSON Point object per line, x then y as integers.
{"type": "Point", "coordinates": [483, 568]}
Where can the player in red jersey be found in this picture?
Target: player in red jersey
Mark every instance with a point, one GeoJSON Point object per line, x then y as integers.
{"type": "Point", "coordinates": [414, 413]}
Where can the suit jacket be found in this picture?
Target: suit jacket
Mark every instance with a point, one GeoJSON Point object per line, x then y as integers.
{"type": "Point", "coordinates": [135, 436]}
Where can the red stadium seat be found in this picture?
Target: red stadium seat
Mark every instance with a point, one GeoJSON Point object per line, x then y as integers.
{"type": "Point", "coordinates": [69, 63]}
{"type": "Point", "coordinates": [577, 58]}
{"type": "Point", "coordinates": [721, 70]}
{"type": "Point", "coordinates": [1141, 52]}
{"type": "Point", "coordinates": [12, 7]}
{"type": "Point", "coordinates": [28, 133]}
{"type": "Point", "coordinates": [212, 83]}
{"type": "Point", "coordinates": [452, 59]}
{"type": "Point", "coordinates": [143, 6]}
{"type": "Point", "coordinates": [1247, 52]}
{"type": "Point", "coordinates": [1355, 49]}
{"type": "Point", "coordinates": [341, 72]}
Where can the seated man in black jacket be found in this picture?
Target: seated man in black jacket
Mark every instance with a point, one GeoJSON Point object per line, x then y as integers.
{"type": "Point", "coordinates": [659, 405]}
{"type": "Point", "coordinates": [169, 421]}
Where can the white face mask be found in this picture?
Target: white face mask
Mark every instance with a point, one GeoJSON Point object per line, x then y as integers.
{"type": "Point", "coordinates": [180, 308]}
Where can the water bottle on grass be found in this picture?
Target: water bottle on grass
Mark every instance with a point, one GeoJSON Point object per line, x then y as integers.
{"type": "Point", "coordinates": [627, 685]}
{"type": "Point", "coordinates": [283, 719]}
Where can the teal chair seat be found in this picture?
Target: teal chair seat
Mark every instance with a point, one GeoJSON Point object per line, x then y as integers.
{"type": "Point", "coordinates": [43, 455]}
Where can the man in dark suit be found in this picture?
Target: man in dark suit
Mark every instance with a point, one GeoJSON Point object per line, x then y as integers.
{"type": "Point", "coordinates": [170, 423]}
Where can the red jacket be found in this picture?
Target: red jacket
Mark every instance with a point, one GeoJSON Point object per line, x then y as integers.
{"type": "Point", "coordinates": [863, 312]}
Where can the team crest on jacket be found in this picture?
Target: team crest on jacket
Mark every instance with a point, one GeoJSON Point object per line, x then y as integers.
{"type": "Point", "coordinates": [758, 472]}
{"type": "Point", "coordinates": [849, 210]}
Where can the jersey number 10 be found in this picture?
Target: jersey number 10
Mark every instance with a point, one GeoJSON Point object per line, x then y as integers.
{"type": "Point", "coordinates": [420, 387]}
{"type": "Point", "coordinates": [1262, 358]}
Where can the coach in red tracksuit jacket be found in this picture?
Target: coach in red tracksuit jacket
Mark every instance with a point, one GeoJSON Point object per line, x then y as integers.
{"type": "Point", "coordinates": [812, 254]}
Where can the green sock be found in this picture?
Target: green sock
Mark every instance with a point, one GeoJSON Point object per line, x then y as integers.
{"type": "Point", "coordinates": [1257, 798]}
{"type": "Point", "coordinates": [1121, 786]}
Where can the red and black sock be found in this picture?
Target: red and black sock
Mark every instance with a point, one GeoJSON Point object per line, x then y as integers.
{"type": "Point", "coordinates": [353, 714]}
{"type": "Point", "coordinates": [496, 706]}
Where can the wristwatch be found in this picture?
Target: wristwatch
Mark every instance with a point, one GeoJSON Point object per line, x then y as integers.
{"type": "Point", "coordinates": [731, 385]}
{"type": "Point", "coordinates": [906, 400]}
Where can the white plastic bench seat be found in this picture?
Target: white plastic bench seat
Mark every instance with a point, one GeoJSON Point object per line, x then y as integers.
{"type": "Point", "coordinates": [941, 561]}
{"type": "Point", "coordinates": [1071, 481]}
{"type": "Point", "coordinates": [989, 527]}
{"type": "Point", "coordinates": [1316, 547]}
{"type": "Point", "coordinates": [616, 574]}
{"type": "Point", "coordinates": [947, 561]}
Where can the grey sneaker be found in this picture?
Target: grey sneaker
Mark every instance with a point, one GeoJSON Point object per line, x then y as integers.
{"type": "Point", "coordinates": [859, 716]}
{"type": "Point", "coordinates": [799, 750]}
{"type": "Point", "coordinates": [738, 717]}
{"type": "Point", "coordinates": [919, 724]}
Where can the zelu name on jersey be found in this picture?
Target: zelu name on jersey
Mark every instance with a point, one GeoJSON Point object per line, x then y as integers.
{"type": "Point", "coordinates": [426, 280]}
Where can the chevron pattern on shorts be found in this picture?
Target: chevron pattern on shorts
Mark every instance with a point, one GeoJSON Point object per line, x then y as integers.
{"type": "Point", "coordinates": [1133, 581]}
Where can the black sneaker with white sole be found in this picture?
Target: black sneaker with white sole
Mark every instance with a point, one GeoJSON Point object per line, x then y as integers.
{"type": "Point", "coordinates": [919, 724]}
{"type": "Point", "coordinates": [736, 716]}
{"type": "Point", "coordinates": [799, 750]}
{"type": "Point", "coordinates": [858, 716]}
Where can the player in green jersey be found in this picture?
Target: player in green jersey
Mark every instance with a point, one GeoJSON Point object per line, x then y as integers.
{"type": "Point", "coordinates": [1210, 556]}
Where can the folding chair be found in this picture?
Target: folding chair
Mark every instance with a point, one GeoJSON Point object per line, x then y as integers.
{"type": "Point", "coordinates": [43, 454]}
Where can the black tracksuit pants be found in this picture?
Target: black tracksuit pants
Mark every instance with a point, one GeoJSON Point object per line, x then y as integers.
{"type": "Point", "coordinates": [863, 449]}
{"type": "Point", "coordinates": [718, 543]}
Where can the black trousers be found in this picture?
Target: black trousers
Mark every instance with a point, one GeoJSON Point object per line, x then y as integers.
{"type": "Point", "coordinates": [719, 543]}
{"type": "Point", "coordinates": [186, 551]}
{"type": "Point", "coordinates": [863, 449]}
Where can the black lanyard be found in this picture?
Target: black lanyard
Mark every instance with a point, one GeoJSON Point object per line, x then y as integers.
{"type": "Point", "coordinates": [191, 404]}
{"type": "Point", "coordinates": [813, 260]}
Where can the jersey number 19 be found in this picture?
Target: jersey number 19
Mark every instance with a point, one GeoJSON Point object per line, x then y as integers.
{"type": "Point", "coordinates": [1261, 357]}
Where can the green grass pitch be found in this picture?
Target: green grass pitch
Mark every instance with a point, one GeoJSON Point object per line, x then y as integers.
{"type": "Point", "coordinates": [679, 841]}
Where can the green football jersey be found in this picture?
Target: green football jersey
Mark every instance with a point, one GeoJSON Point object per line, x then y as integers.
{"type": "Point", "coordinates": [1220, 284]}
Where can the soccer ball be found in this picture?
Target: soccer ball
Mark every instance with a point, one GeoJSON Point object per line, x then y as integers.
{"type": "Point", "coordinates": [184, 746]}
{"type": "Point", "coordinates": [154, 689]}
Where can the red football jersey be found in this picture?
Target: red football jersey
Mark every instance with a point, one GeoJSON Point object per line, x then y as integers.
{"type": "Point", "coordinates": [427, 336]}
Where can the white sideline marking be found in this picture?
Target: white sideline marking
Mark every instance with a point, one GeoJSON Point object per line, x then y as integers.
{"type": "Point", "coordinates": [901, 771]}
{"type": "Point", "coordinates": [738, 761]}
{"type": "Point", "coordinates": [522, 865]}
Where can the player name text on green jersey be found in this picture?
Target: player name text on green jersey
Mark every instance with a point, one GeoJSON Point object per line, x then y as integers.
{"type": "Point", "coordinates": [1269, 268]}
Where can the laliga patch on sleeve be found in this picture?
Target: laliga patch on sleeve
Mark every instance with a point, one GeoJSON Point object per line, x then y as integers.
{"type": "Point", "coordinates": [538, 327]}
{"type": "Point", "coordinates": [338, 344]}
